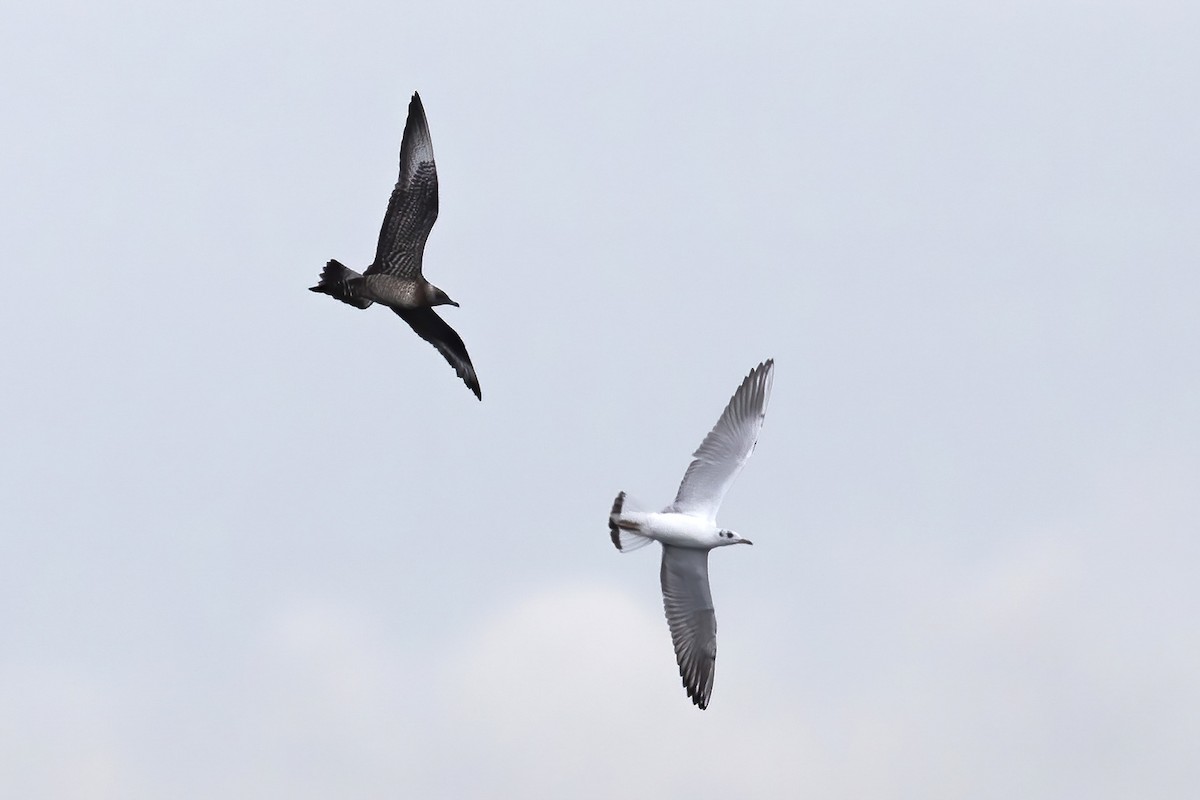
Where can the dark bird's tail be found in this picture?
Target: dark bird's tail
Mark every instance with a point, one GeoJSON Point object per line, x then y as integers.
{"type": "Point", "coordinates": [341, 283]}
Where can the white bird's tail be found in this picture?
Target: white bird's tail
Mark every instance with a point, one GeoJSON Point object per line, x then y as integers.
{"type": "Point", "coordinates": [624, 531]}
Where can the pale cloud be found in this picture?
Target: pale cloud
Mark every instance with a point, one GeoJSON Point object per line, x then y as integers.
{"type": "Point", "coordinates": [992, 688]}
{"type": "Point", "coordinates": [575, 691]}
{"type": "Point", "coordinates": [332, 705]}
{"type": "Point", "coordinates": [59, 736]}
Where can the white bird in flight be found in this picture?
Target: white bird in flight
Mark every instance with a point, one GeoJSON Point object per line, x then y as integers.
{"type": "Point", "coordinates": [688, 529]}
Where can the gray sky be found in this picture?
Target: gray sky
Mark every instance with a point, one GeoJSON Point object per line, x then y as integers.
{"type": "Point", "coordinates": [258, 544]}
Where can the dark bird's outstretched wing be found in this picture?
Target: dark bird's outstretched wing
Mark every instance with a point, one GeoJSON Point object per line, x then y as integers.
{"type": "Point", "coordinates": [433, 329]}
{"type": "Point", "coordinates": [413, 207]}
{"type": "Point", "coordinates": [688, 603]}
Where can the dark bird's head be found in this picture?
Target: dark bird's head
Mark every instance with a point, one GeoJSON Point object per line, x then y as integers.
{"type": "Point", "coordinates": [436, 297]}
{"type": "Point", "coordinates": [725, 537]}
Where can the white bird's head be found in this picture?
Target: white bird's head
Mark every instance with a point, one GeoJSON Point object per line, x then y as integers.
{"type": "Point", "coordinates": [725, 537]}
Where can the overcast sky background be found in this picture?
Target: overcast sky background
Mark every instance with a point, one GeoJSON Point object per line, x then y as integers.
{"type": "Point", "coordinates": [256, 543]}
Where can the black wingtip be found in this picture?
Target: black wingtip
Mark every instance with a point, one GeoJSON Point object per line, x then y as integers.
{"type": "Point", "coordinates": [467, 373]}
{"type": "Point", "coordinates": [762, 367]}
{"type": "Point", "coordinates": [415, 104]}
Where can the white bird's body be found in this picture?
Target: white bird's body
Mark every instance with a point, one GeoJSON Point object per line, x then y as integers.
{"type": "Point", "coordinates": [687, 530]}
{"type": "Point", "coordinates": [673, 528]}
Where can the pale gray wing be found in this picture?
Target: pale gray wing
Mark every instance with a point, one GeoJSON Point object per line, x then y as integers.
{"type": "Point", "coordinates": [688, 603]}
{"type": "Point", "coordinates": [723, 453]}
{"type": "Point", "coordinates": [413, 207]}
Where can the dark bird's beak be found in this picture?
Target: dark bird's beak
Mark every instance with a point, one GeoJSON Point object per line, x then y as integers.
{"type": "Point", "coordinates": [452, 303]}
{"type": "Point", "coordinates": [745, 541]}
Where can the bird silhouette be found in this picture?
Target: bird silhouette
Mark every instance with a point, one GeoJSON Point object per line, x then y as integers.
{"type": "Point", "coordinates": [395, 277]}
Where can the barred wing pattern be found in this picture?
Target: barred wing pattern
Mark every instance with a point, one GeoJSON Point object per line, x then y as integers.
{"type": "Point", "coordinates": [413, 207]}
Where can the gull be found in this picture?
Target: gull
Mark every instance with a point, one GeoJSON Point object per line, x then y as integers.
{"type": "Point", "coordinates": [394, 278]}
{"type": "Point", "coordinates": [687, 530]}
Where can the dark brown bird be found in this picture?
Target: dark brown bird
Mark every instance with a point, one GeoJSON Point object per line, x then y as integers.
{"type": "Point", "coordinates": [394, 278]}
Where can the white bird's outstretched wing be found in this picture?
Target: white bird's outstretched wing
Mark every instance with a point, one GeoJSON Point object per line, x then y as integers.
{"type": "Point", "coordinates": [688, 603]}
{"type": "Point", "coordinates": [723, 453]}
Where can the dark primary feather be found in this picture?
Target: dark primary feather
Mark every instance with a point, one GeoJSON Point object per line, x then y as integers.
{"type": "Point", "coordinates": [688, 603]}
{"type": "Point", "coordinates": [433, 329]}
{"type": "Point", "coordinates": [413, 207]}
